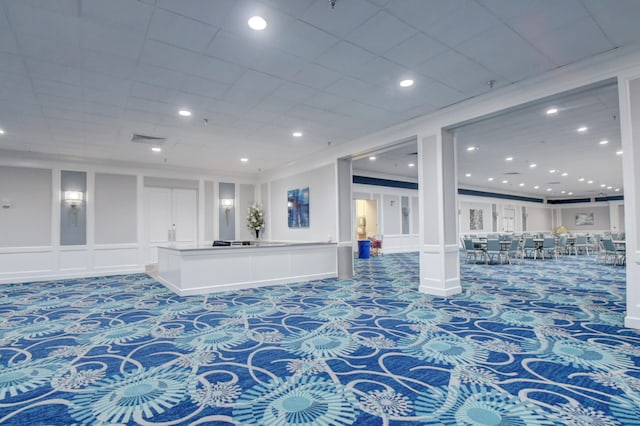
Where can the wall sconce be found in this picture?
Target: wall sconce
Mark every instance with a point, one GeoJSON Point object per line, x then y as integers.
{"type": "Point", "coordinates": [74, 198]}
{"type": "Point", "coordinates": [227, 203]}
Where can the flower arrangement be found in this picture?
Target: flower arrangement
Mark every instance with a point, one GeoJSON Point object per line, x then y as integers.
{"type": "Point", "coordinates": [255, 218]}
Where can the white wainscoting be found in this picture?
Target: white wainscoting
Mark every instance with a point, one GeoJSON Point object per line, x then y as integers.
{"type": "Point", "coordinates": [23, 264]}
{"type": "Point", "coordinates": [400, 243]}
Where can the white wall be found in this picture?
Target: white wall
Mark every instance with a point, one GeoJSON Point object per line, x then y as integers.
{"type": "Point", "coordinates": [115, 208]}
{"type": "Point", "coordinates": [25, 220]}
{"type": "Point", "coordinates": [600, 218]}
{"type": "Point", "coordinates": [322, 206]}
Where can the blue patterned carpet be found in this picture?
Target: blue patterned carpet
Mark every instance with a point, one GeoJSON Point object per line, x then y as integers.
{"type": "Point", "coordinates": [535, 344]}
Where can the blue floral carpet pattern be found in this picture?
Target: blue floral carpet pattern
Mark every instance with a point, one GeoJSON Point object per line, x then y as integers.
{"type": "Point", "coordinates": [535, 344]}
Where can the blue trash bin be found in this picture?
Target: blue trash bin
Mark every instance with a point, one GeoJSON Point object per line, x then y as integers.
{"type": "Point", "coordinates": [364, 249]}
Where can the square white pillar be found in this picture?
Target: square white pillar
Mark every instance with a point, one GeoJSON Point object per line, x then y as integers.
{"type": "Point", "coordinates": [439, 252]}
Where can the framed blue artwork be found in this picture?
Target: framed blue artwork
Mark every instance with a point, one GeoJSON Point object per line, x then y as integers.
{"type": "Point", "coordinates": [298, 208]}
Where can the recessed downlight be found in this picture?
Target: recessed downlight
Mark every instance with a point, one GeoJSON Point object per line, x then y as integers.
{"type": "Point", "coordinates": [604, 142]}
{"type": "Point", "coordinates": [156, 149]}
{"type": "Point", "coordinates": [472, 148]}
{"type": "Point", "coordinates": [468, 175]}
{"type": "Point", "coordinates": [184, 112]}
{"type": "Point", "coordinates": [619, 152]}
{"type": "Point", "coordinates": [490, 179]}
{"type": "Point", "coordinates": [581, 179]}
{"type": "Point", "coordinates": [505, 181]}
{"type": "Point", "coordinates": [532, 165]}
{"type": "Point", "coordinates": [563, 192]}
{"type": "Point", "coordinates": [570, 193]}
{"type": "Point", "coordinates": [411, 165]}
{"type": "Point", "coordinates": [244, 159]}
{"type": "Point", "coordinates": [549, 190]}
{"type": "Point", "coordinates": [536, 187]}
{"type": "Point", "coordinates": [582, 129]}
{"type": "Point", "coordinates": [552, 171]}
{"type": "Point", "coordinates": [406, 83]}
{"type": "Point", "coordinates": [372, 158]}
{"type": "Point", "coordinates": [521, 183]}
{"type": "Point", "coordinates": [257, 23]}
{"type": "Point", "coordinates": [565, 174]}
{"type": "Point", "coordinates": [297, 134]}
{"type": "Point", "coordinates": [589, 182]}
{"type": "Point", "coordinates": [609, 187]}
{"type": "Point", "coordinates": [552, 111]}
{"type": "Point", "coordinates": [602, 185]}
{"type": "Point", "coordinates": [617, 189]}
{"type": "Point", "coordinates": [1, 131]}
{"type": "Point", "coordinates": [508, 159]}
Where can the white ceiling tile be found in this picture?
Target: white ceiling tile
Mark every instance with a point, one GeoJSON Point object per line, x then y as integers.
{"type": "Point", "coordinates": [620, 24]}
{"type": "Point", "coordinates": [150, 107]}
{"type": "Point", "coordinates": [159, 76]}
{"type": "Point", "coordinates": [113, 65]}
{"type": "Point", "coordinates": [216, 69]}
{"type": "Point", "coordinates": [57, 88]}
{"type": "Point", "coordinates": [350, 88]}
{"type": "Point", "coordinates": [14, 84]}
{"type": "Point", "coordinates": [51, 50]}
{"type": "Point", "coordinates": [179, 31]}
{"type": "Point", "coordinates": [507, 10]}
{"type": "Point", "coordinates": [370, 36]}
{"type": "Point", "coordinates": [164, 55]}
{"type": "Point", "coordinates": [344, 57]}
{"type": "Point", "coordinates": [57, 101]}
{"type": "Point", "coordinates": [306, 41]}
{"type": "Point", "coordinates": [103, 110]}
{"type": "Point", "coordinates": [8, 41]}
{"type": "Point", "coordinates": [100, 38]}
{"type": "Point", "coordinates": [457, 27]}
{"type": "Point", "coordinates": [381, 71]}
{"type": "Point", "coordinates": [252, 87]}
{"type": "Point", "coordinates": [340, 21]}
{"type": "Point", "coordinates": [204, 87]}
{"type": "Point", "coordinates": [235, 49]}
{"type": "Point", "coordinates": [324, 101]}
{"type": "Point", "coordinates": [150, 92]}
{"type": "Point", "coordinates": [506, 54]}
{"type": "Point", "coordinates": [415, 50]}
{"type": "Point", "coordinates": [11, 63]}
{"type": "Point", "coordinates": [292, 7]}
{"type": "Point", "coordinates": [194, 102]}
{"type": "Point", "coordinates": [210, 12]}
{"type": "Point", "coordinates": [64, 7]}
{"type": "Point", "coordinates": [294, 92]}
{"type": "Point", "coordinates": [51, 71]}
{"type": "Point", "coordinates": [112, 13]}
{"type": "Point", "coordinates": [316, 76]}
{"type": "Point", "coordinates": [423, 14]}
{"type": "Point", "coordinates": [573, 42]}
{"type": "Point", "coordinates": [544, 17]}
{"type": "Point", "coordinates": [456, 71]}
{"type": "Point", "coordinates": [280, 64]}
{"type": "Point", "coordinates": [37, 21]}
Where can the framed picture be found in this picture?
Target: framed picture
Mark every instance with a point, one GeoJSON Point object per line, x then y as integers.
{"type": "Point", "coordinates": [583, 219]}
{"type": "Point", "coordinates": [298, 208]}
{"type": "Point", "coordinates": [475, 220]}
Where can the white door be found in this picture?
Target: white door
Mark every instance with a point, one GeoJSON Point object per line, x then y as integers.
{"type": "Point", "coordinates": [167, 209]}
{"type": "Point", "coordinates": [508, 220]}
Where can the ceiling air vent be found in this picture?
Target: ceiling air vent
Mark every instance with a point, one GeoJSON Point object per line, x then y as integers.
{"type": "Point", "coordinates": [147, 140]}
{"type": "Point", "coordinates": [512, 173]}
{"type": "Point", "coordinates": [553, 183]}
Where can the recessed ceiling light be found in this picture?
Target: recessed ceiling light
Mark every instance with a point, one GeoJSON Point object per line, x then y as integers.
{"type": "Point", "coordinates": [411, 165]}
{"type": "Point", "coordinates": [156, 149]}
{"type": "Point", "coordinates": [570, 193]}
{"type": "Point", "coordinates": [548, 189]}
{"type": "Point", "coordinates": [581, 179]}
{"type": "Point", "coordinates": [536, 187]}
{"type": "Point", "coordinates": [1, 132]}
{"type": "Point", "coordinates": [532, 165]}
{"type": "Point", "coordinates": [372, 158]}
{"type": "Point", "coordinates": [521, 184]}
{"type": "Point", "coordinates": [604, 142]}
{"type": "Point", "coordinates": [297, 134]}
{"type": "Point", "coordinates": [552, 111]}
{"type": "Point", "coordinates": [552, 171]}
{"type": "Point", "coordinates": [617, 189]}
{"type": "Point", "coordinates": [257, 23]}
{"type": "Point", "coordinates": [184, 112]}
{"type": "Point", "coordinates": [406, 83]}
{"type": "Point", "coordinates": [468, 175]}
{"type": "Point", "coordinates": [505, 181]}
{"type": "Point", "coordinates": [602, 185]}
{"type": "Point", "coordinates": [589, 182]}
{"type": "Point", "coordinates": [472, 148]}
{"type": "Point", "coordinates": [563, 192]}
{"type": "Point", "coordinates": [609, 187]}
{"type": "Point", "coordinates": [565, 174]}
{"type": "Point", "coordinates": [619, 152]}
{"type": "Point", "coordinates": [508, 159]}
{"type": "Point", "coordinates": [490, 179]}
{"type": "Point", "coordinates": [583, 129]}
{"type": "Point", "coordinates": [244, 160]}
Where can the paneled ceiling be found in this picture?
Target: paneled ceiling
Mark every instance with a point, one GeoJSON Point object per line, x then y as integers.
{"type": "Point", "coordinates": [79, 77]}
{"type": "Point", "coordinates": [549, 157]}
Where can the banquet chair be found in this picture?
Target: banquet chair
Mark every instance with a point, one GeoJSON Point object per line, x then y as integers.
{"type": "Point", "coordinates": [529, 248]}
{"type": "Point", "coordinates": [549, 246]}
{"type": "Point", "coordinates": [471, 251]}
{"type": "Point", "coordinates": [514, 252]}
{"type": "Point", "coordinates": [493, 249]}
{"type": "Point", "coordinates": [581, 244]}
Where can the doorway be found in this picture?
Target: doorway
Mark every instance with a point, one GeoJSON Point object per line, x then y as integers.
{"type": "Point", "coordinates": [366, 219]}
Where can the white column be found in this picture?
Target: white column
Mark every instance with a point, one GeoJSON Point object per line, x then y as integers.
{"type": "Point", "coordinates": [629, 94]}
{"type": "Point", "coordinates": [439, 256]}
{"type": "Point", "coordinates": [344, 231]}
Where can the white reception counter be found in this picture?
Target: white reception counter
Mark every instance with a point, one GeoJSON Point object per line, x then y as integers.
{"type": "Point", "coordinates": [206, 269]}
